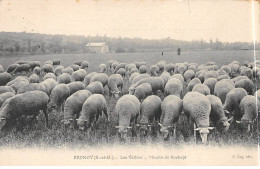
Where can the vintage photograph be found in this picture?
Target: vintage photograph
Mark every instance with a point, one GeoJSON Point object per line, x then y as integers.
{"type": "Point", "coordinates": [129, 82]}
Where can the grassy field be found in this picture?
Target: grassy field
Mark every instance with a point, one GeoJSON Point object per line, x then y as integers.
{"type": "Point", "coordinates": [56, 136]}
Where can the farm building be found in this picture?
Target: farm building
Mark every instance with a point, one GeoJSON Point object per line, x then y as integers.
{"type": "Point", "coordinates": [97, 47]}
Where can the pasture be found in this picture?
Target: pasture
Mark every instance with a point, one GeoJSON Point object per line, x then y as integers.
{"type": "Point", "coordinates": [56, 136]}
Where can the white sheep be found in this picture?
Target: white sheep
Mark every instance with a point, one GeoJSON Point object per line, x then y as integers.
{"type": "Point", "coordinates": [5, 78]}
{"type": "Point", "coordinates": [31, 87]}
{"type": "Point", "coordinates": [178, 76]}
{"type": "Point", "coordinates": [47, 68]}
{"type": "Point", "coordinates": [143, 69]}
{"type": "Point", "coordinates": [154, 70]}
{"type": "Point", "coordinates": [246, 84]}
{"type": "Point", "coordinates": [121, 71]}
{"type": "Point", "coordinates": [115, 82]}
{"type": "Point", "coordinates": [95, 87]}
{"type": "Point", "coordinates": [221, 89]}
{"type": "Point", "coordinates": [173, 87]}
{"type": "Point", "coordinates": [139, 77]}
{"type": "Point", "coordinates": [102, 77]}
{"type": "Point", "coordinates": [58, 70]}
{"type": "Point", "coordinates": [210, 82]}
{"type": "Point", "coordinates": [68, 70]}
{"type": "Point", "coordinates": [74, 67]}
{"type": "Point", "coordinates": [188, 75]}
{"type": "Point", "coordinates": [5, 96]}
{"type": "Point", "coordinates": [37, 70]}
{"type": "Point", "coordinates": [192, 83]}
{"type": "Point", "coordinates": [102, 68]}
{"type": "Point", "coordinates": [88, 78]}
{"type": "Point", "coordinates": [57, 97]}
{"type": "Point", "coordinates": [75, 86]}
{"type": "Point", "coordinates": [79, 75]}
{"type": "Point", "coordinates": [64, 78]}
{"type": "Point", "coordinates": [4, 89]}
{"type": "Point", "coordinates": [34, 78]}
{"type": "Point", "coordinates": [49, 75]}
{"type": "Point", "coordinates": [165, 76]}
{"type": "Point", "coordinates": [142, 91]}
{"type": "Point", "coordinates": [48, 84]}
{"type": "Point", "coordinates": [84, 65]}
{"type": "Point", "coordinates": [201, 88]}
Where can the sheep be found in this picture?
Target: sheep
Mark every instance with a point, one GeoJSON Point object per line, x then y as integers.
{"type": "Point", "coordinates": [102, 77]}
{"type": "Point", "coordinates": [88, 78]}
{"type": "Point", "coordinates": [58, 70]}
{"type": "Point", "coordinates": [102, 68]}
{"type": "Point", "coordinates": [246, 84]}
{"type": "Point", "coordinates": [74, 67]}
{"type": "Point", "coordinates": [171, 108]}
{"type": "Point", "coordinates": [64, 78]}
{"type": "Point", "coordinates": [22, 68]}
{"type": "Point", "coordinates": [200, 75]}
{"type": "Point", "coordinates": [92, 108]}
{"type": "Point", "coordinates": [139, 64]}
{"type": "Point", "coordinates": [156, 83]}
{"type": "Point", "coordinates": [142, 69]}
{"type": "Point", "coordinates": [127, 110]}
{"type": "Point", "coordinates": [78, 62]}
{"type": "Point", "coordinates": [95, 87]}
{"type": "Point", "coordinates": [211, 74]}
{"type": "Point", "coordinates": [48, 62]}
{"type": "Point", "coordinates": [201, 88]}
{"type": "Point", "coordinates": [222, 72]}
{"type": "Point", "coordinates": [178, 76]}
{"type": "Point", "coordinates": [181, 69]}
{"type": "Point", "coordinates": [133, 70]}
{"type": "Point", "coordinates": [49, 75]}
{"type": "Point", "coordinates": [1, 69]}
{"type": "Point", "coordinates": [170, 67]}
{"type": "Point", "coordinates": [37, 70]}
{"type": "Point", "coordinates": [73, 106]}
{"type": "Point", "coordinates": [229, 81]}
{"type": "Point", "coordinates": [189, 75]}
{"type": "Point", "coordinates": [68, 70]}
{"type": "Point", "coordinates": [150, 111]}
{"type": "Point", "coordinates": [165, 76]}
{"type": "Point", "coordinates": [109, 64]}
{"type": "Point", "coordinates": [221, 89]}
{"type": "Point", "coordinates": [84, 65]}
{"type": "Point", "coordinates": [173, 87]}
{"type": "Point", "coordinates": [130, 66]}
{"type": "Point", "coordinates": [247, 72]}
{"type": "Point", "coordinates": [121, 71]}
{"type": "Point", "coordinates": [5, 78]}
{"type": "Point", "coordinates": [210, 82]}
{"type": "Point", "coordinates": [226, 68]}
{"type": "Point", "coordinates": [79, 75]}
{"type": "Point", "coordinates": [58, 95]}
{"type": "Point", "coordinates": [34, 78]}
{"type": "Point", "coordinates": [154, 70]}
{"type": "Point", "coordinates": [234, 69]}
{"type": "Point", "coordinates": [161, 65]}
{"type": "Point", "coordinates": [132, 76]}
{"type": "Point", "coordinates": [139, 77]}
{"type": "Point", "coordinates": [11, 68]}
{"type": "Point", "coordinates": [31, 87]}
{"type": "Point", "coordinates": [142, 91]}
{"type": "Point", "coordinates": [192, 83]}
{"type": "Point", "coordinates": [249, 108]}
{"type": "Point", "coordinates": [47, 68]}
{"type": "Point", "coordinates": [197, 107]}
{"type": "Point", "coordinates": [56, 62]}
{"type": "Point", "coordinates": [217, 114]}
{"type": "Point", "coordinates": [4, 89]}
{"type": "Point", "coordinates": [26, 104]}
{"type": "Point", "coordinates": [114, 65]}
{"type": "Point", "coordinates": [5, 96]}
{"type": "Point", "coordinates": [119, 66]}
{"type": "Point", "coordinates": [114, 82]}
{"type": "Point", "coordinates": [75, 86]}
{"type": "Point", "coordinates": [233, 100]}
{"type": "Point", "coordinates": [19, 84]}
{"type": "Point", "coordinates": [34, 64]}
{"type": "Point", "coordinates": [49, 84]}
{"type": "Point", "coordinates": [225, 76]}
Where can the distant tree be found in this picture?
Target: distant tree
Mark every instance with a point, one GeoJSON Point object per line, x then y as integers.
{"type": "Point", "coordinates": [17, 47]}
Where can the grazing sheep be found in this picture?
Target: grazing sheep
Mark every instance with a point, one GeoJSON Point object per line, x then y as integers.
{"type": "Point", "coordinates": [247, 72]}
{"type": "Point", "coordinates": [130, 66]}
{"type": "Point", "coordinates": [154, 70]}
{"type": "Point", "coordinates": [22, 68]}
{"type": "Point", "coordinates": [109, 64]}
{"type": "Point", "coordinates": [56, 62]}
{"type": "Point", "coordinates": [74, 67]}
{"type": "Point", "coordinates": [181, 68]}
{"type": "Point", "coordinates": [178, 76]}
{"type": "Point", "coordinates": [26, 104]}
{"type": "Point", "coordinates": [133, 70]}
{"type": "Point", "coordinates": [58, 95]}
{"type": "Point", "coordinates": [49, 84]}
{"type": "Point", "coordinates": [171, 109]}
{"type": "Point", "coordinates": [226, 68]}
{"type": "Point", "coordinates": [49, 75]}
{"type": "Point", "coordinates": [75, 86]}
{"type": "Point", "coordinates": [11, 68]}
{"type": "Point", "coordinates": [197, 107]}
{"type": "Point", "coordinates": [142, 69]}
{"type": "Point", "coordinates": [165, 76]}
{"type": "Point", "coordinates": [210, 82]}
{"type": "Point", "coordinates": [161, 65]}
{"type": "Point", "coordinates": [217, 114]}
{"type": "Point", "coordinates": [225, 76]}
{"type": "Point", "coordinates": [139, 64]}
{"type": "Point", "coordinates": [58, 70]}
{"type": "Point", "coordinates": [114, 82]}
{"type": "Point", "coordinates": [222, 72]}
{"type": "Point", "coordinates": [121, 71]}
{"type": "Point", "coordinates": [170, 67]}
{"type": "Point", "coordinates": [47, 68]}
{"type": "Point", "coordinates": [84, 65]}
{"type": "Point", "coordinates": [211, 74]}
{"type": "Point", "coordinates": [64, 78]}
{"type": "Point", "coordinates": [48, 62]}
{"type": "Point", "coordinates": [119, 66]}
{"type": "Point", "coordinates": [78, 75]}
{"type": "Point", "coordinates": [78, 62]}
{"type": "Point", "coordinates": [156, 83]}
{"type": "Point", "coordinates": [173, 87]}
{"type": "Point", "coordinates": [201, 88]}
{"type": "Point", "coordinates": [5, 78]}
{"type": "Point", "coordinates": [95, 87]}
{"type": "Point", "coordinates": [4, 89]}
{"type": "Point", "coordinates": [139, 77]}
{"type": "Point", "coordinates": [150, 111]}
{"type": "Point", "coordinates": [246, 84]}
{"type": "Point", "coordinates": [73, 106]}
{"type": "Point", "coordinates": [236, 79]}
{"type": "Point", "coordinates": [233, 100]}
{"type": "Point", "coordinates": [37, 70]}
{"type": "Point", "coordinates": [18, 79]}
{"type": "Point", "coordinates": [114, 65]}
{"type": "Point", "coordinates": [249, 108]}
{"type": "Point", "coordinates": [68, 70]}
{"type": "Point", "coordinates": [34, 78]}
{"type": "Point", "coordinates": [31, 87]}
{"type": "Point", "coordinates": [102, 68]}
{"type": "Point", "coordinates": [221, 89]}
{"type": "Point", "coordinates": [5, 96]}
{"type": "Point", "coordinates": [102, 77]}
{"type": "Point", "coordinates": [92, 108]}
{"type": "Point", "coordinates": [142, 91]}
{"type": "Point", "coordinates": [88, 78]}
{"type": "Point", "coordinates": [132, 76]}
{"type": "Point", "coordinates": [189, 75]}
{"type": "Point", "coordinates": [234, 69]}
{"type": "Point", "coordinates": [192, 83]}
{"type": "Point", "coordinates": [18, 84]}
{"type": "Point", "coordinates": [127, 109]}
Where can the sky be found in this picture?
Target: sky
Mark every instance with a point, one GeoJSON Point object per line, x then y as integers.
{"type": "Point", "coordinates": [227, 20]}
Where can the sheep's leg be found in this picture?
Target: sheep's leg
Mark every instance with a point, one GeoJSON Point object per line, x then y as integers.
{"type": "Point", "coordinates": [194, 132]}
{"type": "Point", "coordinates": [46, 117]}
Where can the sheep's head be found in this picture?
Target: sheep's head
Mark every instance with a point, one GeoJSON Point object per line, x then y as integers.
{"type": "Point", "coordinates": [2, 123]}
{"type": "Point", "coordinates": [144, 128]}
{"type": "Point", "coordinates": [115, 93]}
{"type": "Point", "coordinates": [131, 90]}
{"type": "Point", "coordinates": [165, 131]}
{"type": "Point", "coordinates": [82, 123]}
{"type": "Point", "coordinates": [204, 133]}
{"type": "Point", "coordinates": [123, 131]}
{"type": "Point", "coordinates": [68, 123]}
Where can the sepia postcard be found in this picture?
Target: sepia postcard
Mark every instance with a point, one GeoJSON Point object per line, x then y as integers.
{"type": "Point", "coordinates": [129, 82]}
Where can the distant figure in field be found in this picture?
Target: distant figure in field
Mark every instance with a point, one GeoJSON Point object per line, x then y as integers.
{"type": "Point", "coordinates": [162, 53]}
{"type": "Point", "coordinates": [179, 51]}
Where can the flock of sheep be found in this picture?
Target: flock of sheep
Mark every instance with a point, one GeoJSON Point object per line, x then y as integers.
{"type": "Point", "coordinates": [211, 97]}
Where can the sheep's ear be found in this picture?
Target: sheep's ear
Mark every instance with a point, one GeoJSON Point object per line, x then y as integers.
{"type": "Point", "coordinates": [210, 128]}
{"type": "Point", "coordinates": [160, 124]}
{"type": "Point", "coordinates": [226, 112]}
{"type": "Point", "coordinates": [149, 125]}
{"type": "Point", "coordinates": [238, 121]}
{"type": "Point", "coordinates": [197, 129]}
{"type": "Point", "coordinates": [77, 119]}
{"type": "Point", "coordinates": [129, 127]}
{"type": "Point", "coordinates": [117, 127]}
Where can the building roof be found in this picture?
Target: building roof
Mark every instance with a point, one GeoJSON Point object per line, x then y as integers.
{"type": "Point", "coordinates": [95, 44]}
